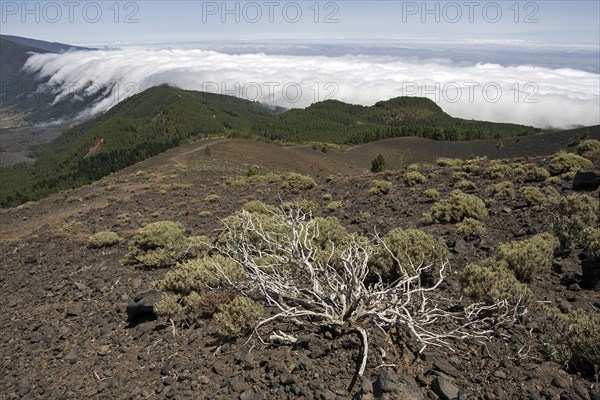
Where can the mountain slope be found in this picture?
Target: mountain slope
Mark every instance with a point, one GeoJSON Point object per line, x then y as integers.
{"type": "Point", "coordinates": [164, 117]}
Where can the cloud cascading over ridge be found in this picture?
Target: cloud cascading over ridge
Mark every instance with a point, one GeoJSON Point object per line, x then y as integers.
{"type": "Point", "coordinates": [526, 94]}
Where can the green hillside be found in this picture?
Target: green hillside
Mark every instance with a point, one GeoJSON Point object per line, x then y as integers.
{"type": "Point", "coordinates": [164, 117]}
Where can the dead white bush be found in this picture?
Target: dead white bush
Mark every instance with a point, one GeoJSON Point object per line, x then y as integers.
{"type": "Point", "coordinates": [281, 259]}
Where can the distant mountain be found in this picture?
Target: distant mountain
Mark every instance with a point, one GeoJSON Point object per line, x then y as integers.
{"type": "Point", "coordinates": [17, 87]}
{"type": "Point", "coordinates": [48, 47]}
{"type": "Point", "coordinates": [164, 117]}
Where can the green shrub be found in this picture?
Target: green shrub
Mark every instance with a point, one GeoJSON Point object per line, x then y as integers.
{"type": "Point", "coordinates": [459, 175]}
{"type": "Point", "coordinates": [432, 194]}
{"type": "Point", "coordinates": [334, 205]}
{"type": "Point", "coordinates": [380, 187]}
{"type": "Point", "coordinates": [539, 197]}
{"type": "Point", "coordinates": [197, 246]}
{"type": "Point", "coordinates": [449, 162]}
{"type": "Point", "coordinates": [456, 208]}
{"type": "Point", "coordinates": [526, 257]}
{"type": "Point", "coordinates": [104, 239]}
{"type": "Point", "coordinates": [576, 343]}
{"type": "Point", "coordinates": [591, 246]}
{"type": "Point", "coordinates": [238, 317]}
{"type": "Point", "coordinates": [378, 164]}
{"type": "Point", "coordinates": [158, 244]}
{"type": "Point", "coordinates": [571, 216]}
{"type": "Point", "coordinates": [470, 228]}
{"type": "Point", "coordinates": [414, 178]}
{"type": "Point", "coordinates": [298, 181]}
{"type": "Point", "coordinates": [504, 189]}
{"type": "Point", "coordinates": [501, 171]}
{"type": "Point", "coordinates": [491, 281]}
{"type": "Point", "coordinates": [327, 196]}
{"type": "Point", "coordinates": [306, 206]}
{"type": "Point", "coordinates": [256, 206]}
{"type": "Point", "coordinates": [212, 198]}
{"type": "Point", "coordinates": [589, 149]}
{"type": "Point", "coordinates": [414, 167]}
{"type": "Point", "coordinates": [168, 306]}
{"type": "Point", "coordinates": [464, 184]}
{"type": "Point", "coordinates": [566, 162]}
{"type": "Point", "coordinates": [199, 275]}
{"type": "Point", "coordinates": [412, 248]}
{"type": "Point", "coordinates": [537, 174]}
{"type": "Point", "coordinates": [568, 176]}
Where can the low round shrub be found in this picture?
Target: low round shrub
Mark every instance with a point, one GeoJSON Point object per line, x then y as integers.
{"type": "Point", "coordinates": [380, 187]}
{"type": "Point", "coordinates": [526, 257]}
{"type": "Point", "coordinates": [572, 215]}
{"type": "Point", "coordinates": [490, 281]}
{"type": "Point", "coordinates": [566, 162]}
{"type": "Point", "coordinates": [470, 228]}
{"type": "Point", "coordinates": [457, 207]}
{"type": "Point", "coordinates": [104, 239]}
{"type": "Point", "coordinates": [411, 248]}
{"type": "Point", "coordinates": [238, 317]}
{"type": "Point", "coordinates": [158, 244]}
{"type": "Point", "coordinates": [414, 178]}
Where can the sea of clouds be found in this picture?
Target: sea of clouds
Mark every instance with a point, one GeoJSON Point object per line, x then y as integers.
{"type": "Point", "coordinates": [546, 94]}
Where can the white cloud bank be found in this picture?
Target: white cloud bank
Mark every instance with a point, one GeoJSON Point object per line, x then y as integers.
{"type": "Point", "coordinates": [531, 95]}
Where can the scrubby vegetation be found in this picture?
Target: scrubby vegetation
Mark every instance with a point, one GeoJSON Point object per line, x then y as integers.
{"type": "Point", "coordinates": [589, 149]}
{"type": "Point", "coordinates": [571, 216]}
{"type": "Point", "coordinates": [239, 316]}
{"type": "Point", "coordinates": [414, 178]}
{"type": "Point", "coordinates": [380, 187]}
{"type": "Point", "coordinates": [576, 343]}
{"type": "Point", "coordinates": [104, 239]}
{"type": "Point", "coordinates": [158, 244]}
{"type": "Point", "coordinates": [432, 195]}
{"type": "Point", "coordinates": [527, 257]}
{"type": "Point", "coordinates": [492, 280]}
{"type": "Point", "coordinates": [456, 208]}
{"type": "Point", "coordinates": [540, 198]}
{"type": "Point", "coordinates": [470, 228]}
{"type": "Point", "coordinates": [298, 181]}
{"type": "Point", "coordinates": [503, 189]}
{"type": "Point", "coordinates": [565, 162]}
{"type": "Point", "coordinates": [407, 250]}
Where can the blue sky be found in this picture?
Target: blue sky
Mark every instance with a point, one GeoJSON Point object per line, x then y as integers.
{"type": "Point", "coordinates": [110, 22]}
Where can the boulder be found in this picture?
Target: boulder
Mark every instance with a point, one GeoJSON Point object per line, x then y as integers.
{"type": "Point", "coordinates": [142, 305]}
{"type": "Point", "coordinates": [586, 180]}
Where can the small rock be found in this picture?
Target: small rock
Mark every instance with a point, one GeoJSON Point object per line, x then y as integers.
{"type": "Point", "coordinates": [444, 388]}
{"type": "Point", "coordinates": [71, 358]}
{"type": "Point", "coordinates": [390, 385]}
{"type": "Point", "coordinates": [574, 287]}
{"type": "Point", "coordinates": [564, 306]}
{"type": "Point", "coordinates": [441, 364]}
{"type": "Point", "coordinates": [500, 374]}
{"type": "Point", "coordinates": [247, 394]}
{"type": "Point", "coordinates": [506, 210]}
